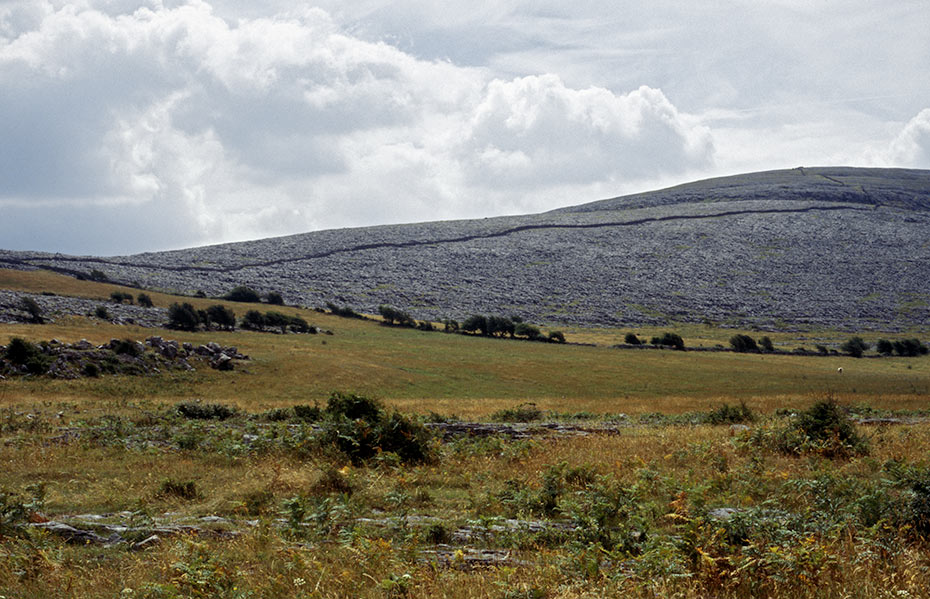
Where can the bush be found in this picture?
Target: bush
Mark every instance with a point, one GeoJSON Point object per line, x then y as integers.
{"type": "Point", "coordinates": [884, 347]}
{"type": "Point", "coordinates": [909, 347]}
{"type": "Point", "coordinates": [855, 347]}
{"type": "Point", "coordinates": [221, 316]}
{"type": "Point", "coordinates": [632, 339]}
{"type": "Point", "coordinates": [127, 347]}
{"type": "Point", "coordinates": [476, 323]}
{"type": "Point", "coordinates": [274, 298]}
{"type": "Point", "coordinates": [823, 429]}
{"type": "Point", "coordinates": [120, 297]}
{"type": "Point", "coordinates": [253, 320]}
{"type": "Point", "coordinates": [361, 428]}
{"type": "Point", "coordinates": [205, 411]}
{"type": "Point", "coordinates": [29, 355]}
{"type": "Point", "coordinates": [309, 413]}
{"type": "Point", "coordinates": [181, 489]}
{"type": "Point", "coordinates": [144, 300]}
{"type": "Point", "coordinates": [243, 294]}
{"type": "Point", "coordinates": [727, 414]}
{"type": "Point", "coordinates": [392, 315]}
{"type": "Point", "coordinates": [529, 331]}
{"type": "Point", "coordinates": [743, 343]}
{"type": "Point", "coordinates": [766, 344]}
{"type": "Point", "coordinates": [31, 308]}
{"type": "Point", "coordinates": [499, 326]}
{"type": "Point", "coordinates": [102, 313]}
{"type": "Point", "coordinates": [98, 275]}
{"type": "Point", "coordinates": [669, 340]}
{"type": "Point", "coordinates": [277, 320]}
{"type": "Point", "coordinates": [556, 337]}
{"type": "Point", "coordinates": [183, 317]}
{"type": "Point", "coordinates": [344, 311]}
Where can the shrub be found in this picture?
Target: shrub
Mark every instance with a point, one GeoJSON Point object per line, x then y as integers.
{"type": "Point", "coordinates": [31, 308]}
{"type": "Point", "coordinates": [344, 311]}
{"type": "Point", "coordinates": [91, 370]}
{"type": "Point", "coordinates": [727, 414]}
{"type": "Point", "coordinates": [556, 337]}
{"type": "Point", "coordinates": [476, 323]}
{"type": "Point", "coordinates": [98, 275]}
{"type": "Point", "coordinates": [299, 325]}
{"type": "Point", "coordinates": [855, 347]}
{"type": "Point", "coordinates": [909, 347]}
{"type": "Point", "coordinates": [884, 347]}
{"type": "Point", "coordinates": [822, 349]}
{"type": "Point", "coordinates": [823, 429]}
{"type": "Point", "coordinates": [127, 347]}
{"type": "Point", "coordinates": [743, 343]}
{"type": "Point", "coordinates": [253, 320]}
{"type": "Point", "coordinates": [632, 339]}
{"type": "Point", "coordinates": [204, 411]}
{"type": "Point", "coordinates": [392, 315]}
{"type": "Point", "coordinates": [499, 326]}
{"type": "Point", "coordinates": [361, 428]}
{"type": "Point", "coordinates": [274, 298]}
{"type": "Point", "coordinates": [243, 294]}
{"type": "Point", "coordinates": [29, 355]}
{"type": "Point", "coordinates": [309, 413]}
{"type": "Point", "coordinates": [120, 297]}
{"type": "Point", "coordinates": [102, 313]}
{"type": "Point", "coordinates": [529, 331]}
{"type": "Point", "coordinates": [222, 317]}
{"type": "Point", "coordinates": [766, 344]}
{"type": "Point", "coordinates": [450, 326]}
{"type": "Point", "coordinates": [181, 489]}
{"type": "Point", "coordinates": [277, 320]}
{"type": "Point", "coordinates": [183, 317]}
{"type": "Point", "coordinates": [144, 300]}
{"type": "Point", "coordinates": [673, 340]}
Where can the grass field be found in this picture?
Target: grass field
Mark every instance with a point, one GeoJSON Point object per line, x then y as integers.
{"type": "Point", "coordinates": [259, 505]}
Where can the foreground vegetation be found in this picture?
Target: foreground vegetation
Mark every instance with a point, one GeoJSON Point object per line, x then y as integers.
{"type": "Point", "coordinates": [591, 471]}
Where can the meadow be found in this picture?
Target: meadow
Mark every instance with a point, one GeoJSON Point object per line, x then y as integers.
{"type": "Point", "coordinates": [685, 474]}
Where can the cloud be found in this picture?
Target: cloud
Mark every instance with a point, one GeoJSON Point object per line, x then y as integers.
{"type": "Point", "coordinates": [162, 124]}
{"type": "Point", "coordinates": [535, 131]}
{"type": "Point", "coordinates": [912, 145]}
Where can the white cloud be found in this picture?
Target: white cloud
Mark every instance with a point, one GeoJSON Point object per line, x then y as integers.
{"type": "Point", "coordinates": [912, 146]}
{"type": "Point", "coordinates": [177, 122]}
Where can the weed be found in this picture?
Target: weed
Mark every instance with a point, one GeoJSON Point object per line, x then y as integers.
{"type": "Point", "coordinates": [204, 411]}
{"type": "Point", "coordinates": [525, 412]}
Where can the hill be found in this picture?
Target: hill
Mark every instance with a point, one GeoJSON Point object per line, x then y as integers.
{"type": "Point", "coordinates": [808, 247]}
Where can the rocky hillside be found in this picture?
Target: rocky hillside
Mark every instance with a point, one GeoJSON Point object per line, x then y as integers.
{"type": "Point", "coordinates": [837, 247]}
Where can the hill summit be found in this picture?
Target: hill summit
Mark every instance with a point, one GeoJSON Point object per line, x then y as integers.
{"type": "Point", "coordinates": [833, 247]}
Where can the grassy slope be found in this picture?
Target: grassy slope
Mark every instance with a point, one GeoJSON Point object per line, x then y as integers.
{"type": "Point", "coordinates": [464, 375]}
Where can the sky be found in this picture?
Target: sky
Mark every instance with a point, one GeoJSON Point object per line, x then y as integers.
{"type": "Point", "coordinates": [143, 125]}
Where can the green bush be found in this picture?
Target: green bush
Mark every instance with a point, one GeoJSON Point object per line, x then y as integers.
{"type": "Point", "coordinates": [221, 316]}
{"type": "Point", "coordinates": [128, 347]}
{"type": "Point", "coordinates": [144, 300]}
{"type": "Point", "coordinates": [743, 343]}
{"type": "Point", "coordinates": [309, 413]}
{"type": "Point", "coordinates": [672, 340]}
{"type": "Point", "coordinates": [204, 411]}
{"type": "Point", "coordinates": [556, 337]}
{"type": "Point", "coordinates": [824, 429]}
{"type": "Point", "coordinates": [344, 311]}
{"type": "Point", "coordinates": [274, 298]}
{"type": "Point", "coordinates": [31, 308]}
{"type": "Point", "coordinates": [29, 355]}
{"type": "Point", "coordinates": [766, 344]}
{"type": "Point", "coordinates": [529, 331]}
{"type": "Point", "coordinates": [102, 313]}
{"type": "Point", "coordinates": [361, 428]}
{"type": "Point", "coordinates": [243, 294]}
{"type": "Point", "coordinates": [855, 347]}
{"type": "Point", "coordinates": [909, 347]}
{"type": "Point", "coordinates": [727, 414]}
{"type": "Point", "coordinates": [120, 297]}
{"type": "Point", "coordinates": [392, 315]}
{"type": "Point", "coordinates": [183, 317]}
{"type": "Point", "coordinates": [632, 339]}
{"type": "Point", "coordinates": [253, 320]}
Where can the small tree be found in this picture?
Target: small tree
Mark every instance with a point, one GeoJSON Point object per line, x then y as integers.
{"type": "Point", "coordinates": [476, 323]}
{"type": "Point", "coordinates": [499, 326]}
{"type": "Point", "coordinates": [274, 298]}
{"type": "Point", "coordinates": [222, 316]}
{"type": "Point", "coordinates": [253, 320]}
{"type": "Point", "coordinates": [766, 344]}
{"type": "Point", "coordinates": [276, 319]}
{"type": "Point", "coordinates": [673, 340]}
{"type": "Point", "coordinates": [32, 309]}
{"type": "Point", "coordinates": [102, 313]}
{"type": "Point", "coordinates": [183, 317]}
{"type": "Point", "coordinates": [144, 300]}
{"type": "Point", "coordinates": [120, 297]}
{"type": "Point", "coordinates": [743, 343]}
{"type": "Point", "coordinates": [884, 347]}
{"type": "Point", "coordinates": [243, 294]}
{"type": "Point", "coordinates": [632, 339]}
{"type": "Point", "coordinates": [556, 337]}
{"type": "Point", "coordinates": [529, 331]}
{"type": "Point", "coordinates": [855, 347]}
